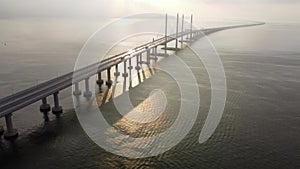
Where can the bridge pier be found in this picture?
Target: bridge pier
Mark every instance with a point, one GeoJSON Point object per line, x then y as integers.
{"type": "Point", "coordinates": [57, 109]}
{"type": "Point", "coordinates": [87, 92]}
{"type": "Point", "coordinates": [45, 108]}
{"type": "Point", "coordinates": [152, 52]}
{"type": "Point", "coordinates": [141, 59]}
{"type": "Point", "coordinates": [148, 57]}
{"type": "Point", "coordinates": [155, 54]}
{"type": "Point", "coordinates": [137, 68]}
{"type": "Point", "coordinates": [1, 130]}
{"type": "Point", "coordinates": [77, 92]}
{"type": "Point", "coordinates": [130, 73]}
{"type": "Point", "coordinates": [99, 81]}
{"type": "Point", "coordinates": [117, 73]}
{"type": "Point", "coordinates": [109, 81]}
{"type": "Point", "coordinates": [125, 74]}
{"type": "Point", "coordinates": [10, 133]}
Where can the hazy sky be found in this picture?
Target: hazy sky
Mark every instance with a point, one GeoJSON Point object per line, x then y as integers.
{"type": "Point", "coordinates": [286, 10]}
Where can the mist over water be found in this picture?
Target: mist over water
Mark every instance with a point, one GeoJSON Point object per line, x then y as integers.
{"type": "Point", "coordinates": [260, 127]}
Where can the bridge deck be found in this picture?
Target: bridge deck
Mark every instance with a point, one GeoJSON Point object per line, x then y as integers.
{"type": "Point", "coordinates": [16, 101]}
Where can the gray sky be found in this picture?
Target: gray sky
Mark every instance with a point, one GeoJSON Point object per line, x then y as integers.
{"type": "Point", "coordinates": [287, 10]}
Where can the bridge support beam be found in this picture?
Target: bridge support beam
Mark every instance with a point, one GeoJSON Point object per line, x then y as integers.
{"type": "Point", "coordinates": [45, 108]}
{"type": "Point", "coordinates": [57, 109]}
{"type": "Point", "coordinates": [77, 92]}
{"type": "Point", "coordinates": [10, 133]}
{"type": "Point", "coordinates": [109, 81]}
{"type": "Point", "coordinates": [87, 92]}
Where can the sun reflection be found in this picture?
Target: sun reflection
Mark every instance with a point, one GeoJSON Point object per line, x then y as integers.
{"type": "Point", "coordinates": [151, 113]}
{"type": "Point", "coordinates": [150, 109]}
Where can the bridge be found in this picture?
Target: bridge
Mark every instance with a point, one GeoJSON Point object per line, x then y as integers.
{"type": "Point", "coordinates": [40, 92]}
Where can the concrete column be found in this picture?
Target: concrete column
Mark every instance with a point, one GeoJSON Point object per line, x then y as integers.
{"type": "Point", "coordinates": [45, 108]}
{"type": "Point", "coordinates": [1, 130]}
{"type": "Point", "coordinates": [76, 92]}
{"type": "Point", "coordinates": [87, 92]}
{"type": "Point", "coordinates": [117, 73]}
{"type": "Point", "coordinates": [125, 74]}
{"type": "Point", "coordinates": [57, 109]}
{"type": "Point", "coordinates": [155, 54]}
{"type": "Point", "coordinates": [99, 81]}
{"type": "Point", "coordinates": [148, 57]}
{"type": "Point", "coordinates": [109, 81]}
{"type": "Point", "coordinates": [141, 59]}
{"type": "Point", "coordinates": [137, 68]}
{"type": "Point", "coordinates": [130, 73]}
{"type": "Point", "coordinates": [10, 133]}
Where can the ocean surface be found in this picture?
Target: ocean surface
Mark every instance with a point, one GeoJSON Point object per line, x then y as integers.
{"type": "Point", "coordinates": [260, 127]}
